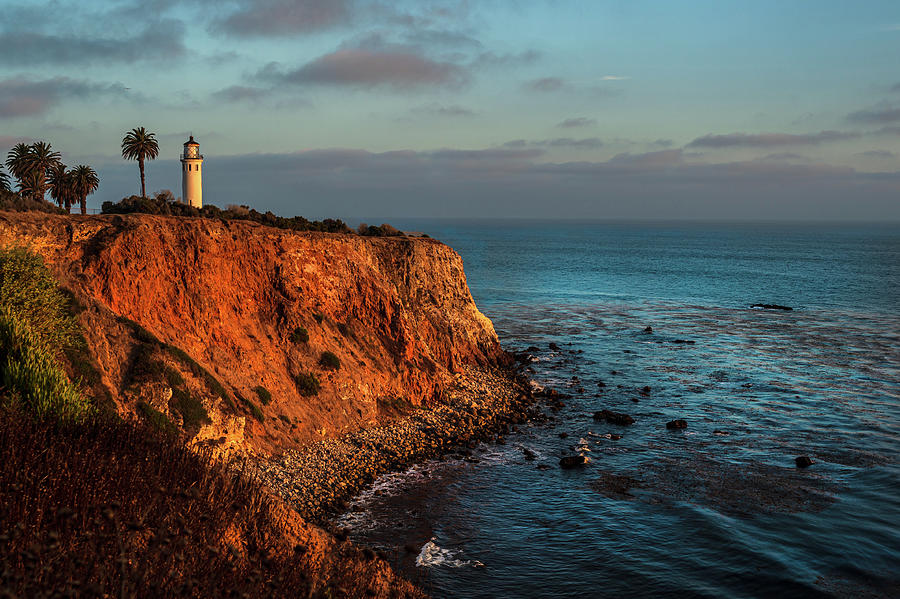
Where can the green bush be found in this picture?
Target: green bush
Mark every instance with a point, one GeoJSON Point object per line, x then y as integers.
{"type": "Point", "coordinates": [264, 396]}
{"type": "Point", "coordinates": [254, 409]}
{"type": "Point", "coordinates": [308, 384]}
{"type": "Point", "coordinates": [160, 205]}
{"type": "Point", "coordinates": [31, 374]}
{"type": "Point", "coordinates": [329, 361]}
{"type": "Point", "coordinates": [212, 383]}
{"type": "Point", "coordinates": [318, 316]}
{"type": "Point", "coordinates": [192, 412]}
{"type": "Point", "coordinates": [14, 202]}
{"type": "Point", "coordinates": [174, 378]}
{"type": "Point", "coordinates": [29, 291]}
{"type": "Point", "coordinates": [300, 335]}
{"type": "Point", "coordinates": [156, 419]}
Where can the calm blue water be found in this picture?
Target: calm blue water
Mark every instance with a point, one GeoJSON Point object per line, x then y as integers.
{"type": "Point", "coordinates": [717, 510]}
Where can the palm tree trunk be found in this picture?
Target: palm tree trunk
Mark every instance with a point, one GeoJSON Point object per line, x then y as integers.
{"type": "Point", "coordinates": [84, 204]}
{"type": "Point", "coordinates": [143, 188]}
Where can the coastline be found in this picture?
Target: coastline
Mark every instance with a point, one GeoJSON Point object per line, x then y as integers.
{"type": "Point", "coordinates": [320, 479]}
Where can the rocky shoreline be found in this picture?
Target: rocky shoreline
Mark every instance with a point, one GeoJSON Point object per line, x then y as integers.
{"type": "Point", "coordinates": [319, 480]}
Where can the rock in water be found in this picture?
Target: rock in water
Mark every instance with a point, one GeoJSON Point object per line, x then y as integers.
{"type": "Point", "coordinates": [553, 347]}
{"type": "Point", "coordinates": [648, 330]}
{"type": "Point", "coordinates": [613, 417]}
{"type": "Point", "coordinates": [803, 461]}
{"type": "Point", "coordinates": [573, 461]}
{"type": "Point", "coordinates": [676, 424]}
{"type": "Point", "coordinates": [771, 307]}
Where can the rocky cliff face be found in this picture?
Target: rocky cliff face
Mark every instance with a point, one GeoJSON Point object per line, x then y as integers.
{"type": "Point", "coordinates": [397, 313]}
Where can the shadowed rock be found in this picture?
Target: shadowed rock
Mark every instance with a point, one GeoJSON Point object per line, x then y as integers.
{"type": "Point", "coordinates": [676, 424]}
{"type": "Point", "coordinates": [803, 461]}
{"type": "Point", "coordinates": [611, 417]}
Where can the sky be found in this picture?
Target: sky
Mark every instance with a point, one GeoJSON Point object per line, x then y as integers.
{"type": "Point", "coordinates": [375, 109]}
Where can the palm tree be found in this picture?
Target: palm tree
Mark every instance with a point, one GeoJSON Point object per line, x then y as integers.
{"type": "Point", "coordinates": [29, 184]}
{"type": "Point", "coordinates": [41, 160]}
{"type": "Point", "coordinates": [84, 182]}
{"type": "Point", "coordinates": [60, 183]}
{"type": "Point", "coordinates": [138, 144]}
{"type": "Point", "coordinates": [17, 160]}
{"type": "Point", "coordinates": [4, 180]}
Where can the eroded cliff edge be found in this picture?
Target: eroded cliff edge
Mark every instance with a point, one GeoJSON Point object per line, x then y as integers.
{"type": "Point", "coordinates": [396, 311]}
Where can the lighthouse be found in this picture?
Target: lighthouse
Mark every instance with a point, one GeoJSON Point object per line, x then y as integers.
{"type": "Point", "coordinates": [191, 183]}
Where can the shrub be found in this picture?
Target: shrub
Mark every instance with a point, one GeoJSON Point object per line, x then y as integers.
{"type": "Point", "coordinates": [156, 419]}
{"type": "Point", "coordinates": [14, 202]}
{"type": "Point", "coordinates": [254, 409]}
{"type": "Point", "coordinates": [29, 290]}
{"type": "Point", "coordinates": [192, 412]}
{"type": "Point", "coordinates": [264, 396]}
{"type": "Point", "coordinates": [329, 361]}
{"type": "Point", "coordinates": [174, 378]}
{"type": "Point", "coordinates": [300, 335]}
{"type": "Point", "coordinates": [30, 372]}
{"type": "Point", "coordinates": [212, 383]}
{"type": "Point", "coordinates": [284, 419]}
{"type": "Point", "coordinates": [318, 316]}
{"type": "Point", "coordinates": [162, 205]}
{"type": "Point", "coordinates": [308, 384]}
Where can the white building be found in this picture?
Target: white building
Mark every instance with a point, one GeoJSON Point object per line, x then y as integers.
{"type": "Point", "coordinates": [191, 182]}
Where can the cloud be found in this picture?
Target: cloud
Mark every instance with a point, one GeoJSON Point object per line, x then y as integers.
{"type": "Point", "coordinates": [784, 157]}
{"type": "Point", "coordinates": [519, 183]}
{"type": "Point", "coordinates": [613, 78]}
{"type": "Point", "coordinates": [877, 116]}
{"type": "Point", "coordinates": [545, 84]}
{"type": "Point", "coordinates": [558, 142]}
{"type": "Point", "coordinates": [879, 154]}
{"type": "Point", "coordinates": [435, 109]}
{"type": "Point", "coordinates": [389, 66]}
{"type": "Point", "coordinates": [761, 140]}
{"type": "Point", "coordinates": [240, 93]}
{"type": "Point", "coordinates": [161, 41]}
{"type": "Point", "coordinates": [22, 97]}
{"type": "Point", "coordinates": [577, 122]}
{"type": "Point", "coordinates": [492, 59]}
{"type": "Point", "coordinates": [284, 17]}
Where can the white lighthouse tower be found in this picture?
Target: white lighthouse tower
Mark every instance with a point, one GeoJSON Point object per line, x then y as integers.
{"type": "Point", "coordinates": [191, 183]}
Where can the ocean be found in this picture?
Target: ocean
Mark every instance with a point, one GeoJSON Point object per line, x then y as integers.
{"type": "Point", "coordinates": [718, 509]}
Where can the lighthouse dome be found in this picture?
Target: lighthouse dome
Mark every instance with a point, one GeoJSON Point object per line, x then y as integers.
{"type": "Point", "coordinates": [191, 142]}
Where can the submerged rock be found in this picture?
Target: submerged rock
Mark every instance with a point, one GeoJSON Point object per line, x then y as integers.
{"type": "Point", "coordinates": [771, 307]}
{"type": "Point", "coordinates": [573, 461]}
{"type": "Point", "coordinates": [803, 461]}
{"type": "Point", "coordinates": [684, 342]}
{"type": "Point", "coordinates": [613, 417]}
{"type": "Point", "coordinates": [676, 424]}
{"type": "Point", "coordinates": [648, 330]}
{"type": "Point", "coordinates": [553, 347]}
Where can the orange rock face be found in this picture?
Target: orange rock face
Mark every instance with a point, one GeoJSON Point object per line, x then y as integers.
{"type": "Point", "coordinates": [397, 312]}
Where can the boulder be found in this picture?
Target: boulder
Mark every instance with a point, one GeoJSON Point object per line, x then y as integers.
{"type": "Point", "coordinates": [613, 417]}
{"type": "Point", "coordinates": [803, 461]}
{"type": "Point", "coordinates": [572, 461]}
{"type": "Point", "coordinates": [676, 424]}
{"type": "Point", "coordinates": [771, 307]}
{"type": "Point", "coordinates": [648, 330]}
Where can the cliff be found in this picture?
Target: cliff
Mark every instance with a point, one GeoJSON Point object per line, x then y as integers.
{"type": "Point", "coordinates": [214, 306]}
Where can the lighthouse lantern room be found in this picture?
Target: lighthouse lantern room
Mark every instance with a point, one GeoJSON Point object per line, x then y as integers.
{"type": "Point", "coordinates": [191, 182]}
